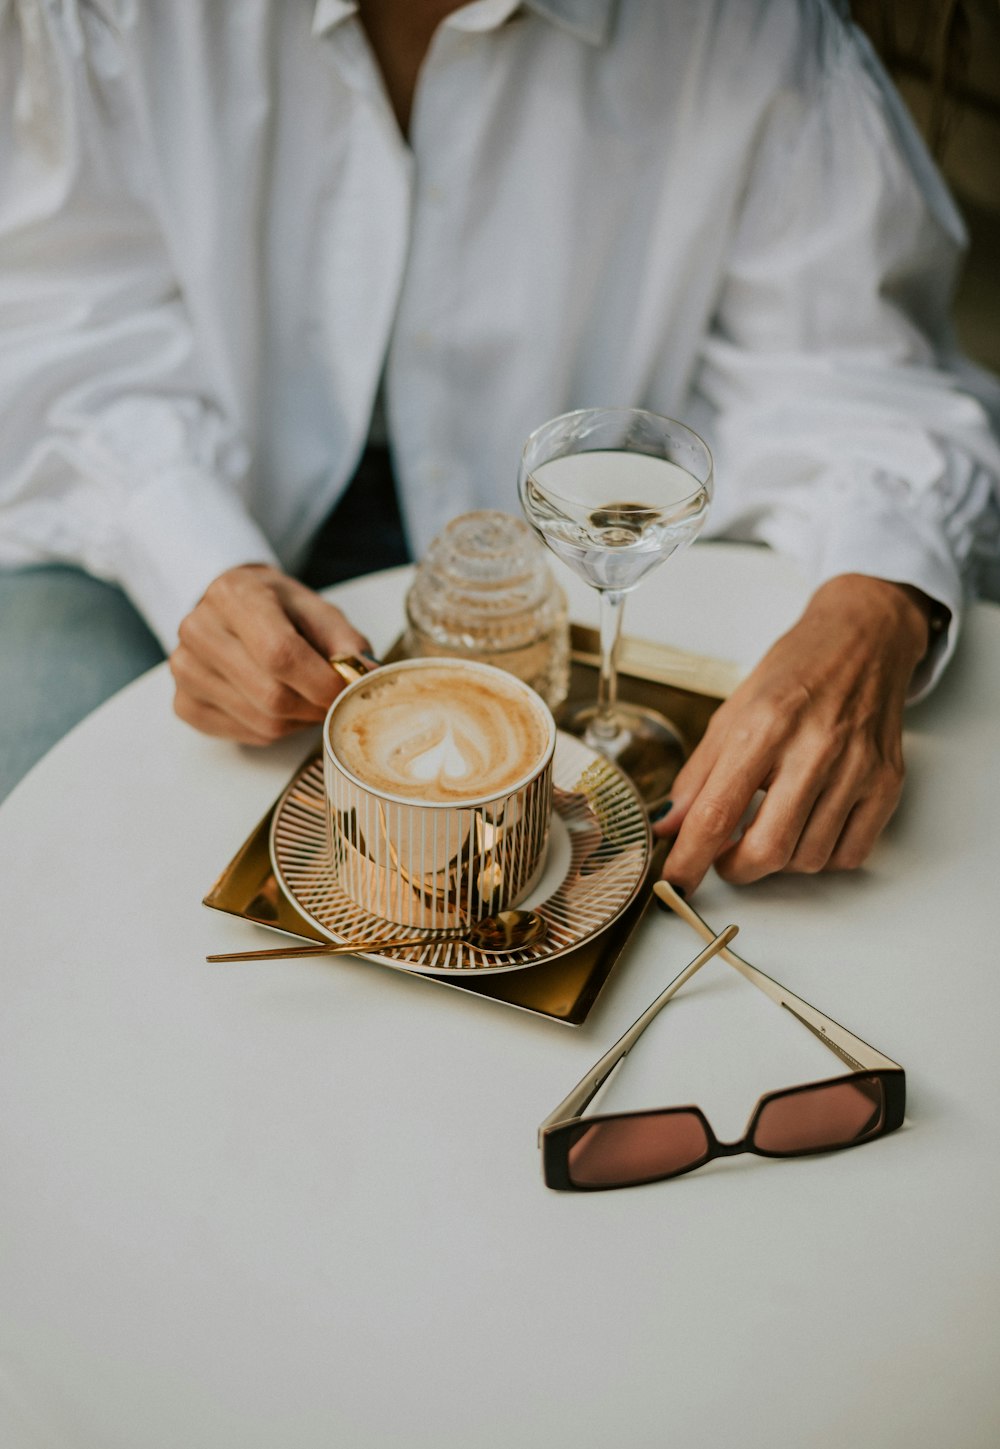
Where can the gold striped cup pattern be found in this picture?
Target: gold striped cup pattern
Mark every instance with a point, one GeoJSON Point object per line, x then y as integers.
{"type": "Point", "coordinates": [465, 834]}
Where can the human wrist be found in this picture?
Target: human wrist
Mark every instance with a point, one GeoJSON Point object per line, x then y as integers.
{"type": "Point", "coordinates": [899, 612]}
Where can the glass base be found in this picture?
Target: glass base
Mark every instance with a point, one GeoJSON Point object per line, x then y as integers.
{"type": "Point", "coordinates": [646, 746]}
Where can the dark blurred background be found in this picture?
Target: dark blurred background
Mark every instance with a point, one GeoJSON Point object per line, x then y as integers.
{"type": "Point", "coordinates": [944, 56]}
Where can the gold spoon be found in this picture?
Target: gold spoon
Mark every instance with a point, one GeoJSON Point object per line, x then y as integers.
{"type": "Point", "coordinates": [498, 935]}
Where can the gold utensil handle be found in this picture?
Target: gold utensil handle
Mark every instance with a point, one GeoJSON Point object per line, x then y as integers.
{"type": "Point", "coordinates": [342, 949]}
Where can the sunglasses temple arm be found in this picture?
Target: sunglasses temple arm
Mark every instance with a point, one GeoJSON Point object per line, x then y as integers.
{"type": "Point", "coordinates": [586, 1090]}
{"type": "Point", "coordinates": [851, 1049]}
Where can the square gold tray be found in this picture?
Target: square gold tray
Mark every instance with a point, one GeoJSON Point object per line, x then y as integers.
{"type": "Point", "coordinates": [687, 688]}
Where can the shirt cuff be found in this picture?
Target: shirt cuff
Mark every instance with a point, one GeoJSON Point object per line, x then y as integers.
{"type": "Point", "coordinates": [177, 535]}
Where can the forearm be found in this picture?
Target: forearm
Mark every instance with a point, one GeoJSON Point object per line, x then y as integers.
{"type": "Point", "coordinates": [846, 432]}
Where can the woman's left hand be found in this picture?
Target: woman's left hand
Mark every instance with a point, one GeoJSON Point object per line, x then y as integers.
{"type": "Point", "coordinates": [818, 727]}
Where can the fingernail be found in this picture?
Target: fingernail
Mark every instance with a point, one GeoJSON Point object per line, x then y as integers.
{"type": "Point", "coordinates": [662, 813]}
{"type": "Point", "coordinates": [680, 891]}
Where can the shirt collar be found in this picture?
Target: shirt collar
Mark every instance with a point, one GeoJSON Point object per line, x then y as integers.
{"type": "Point", "coordinates": [588, 19]}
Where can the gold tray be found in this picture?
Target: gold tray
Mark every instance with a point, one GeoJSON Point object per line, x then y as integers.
{"type": "Point", "coordinates": [685, 687]}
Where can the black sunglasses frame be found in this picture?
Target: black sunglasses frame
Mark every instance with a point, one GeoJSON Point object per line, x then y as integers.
{"type": "Point", "coordinates": [558, 1141]}
{"type": "Point", "coordinates": [567, 1124]}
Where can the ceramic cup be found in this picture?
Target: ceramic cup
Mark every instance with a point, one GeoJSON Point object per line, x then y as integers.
{"type": "Point", "coordinates": [438, 776]}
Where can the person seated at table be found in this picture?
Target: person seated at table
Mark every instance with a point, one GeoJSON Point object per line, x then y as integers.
{"type": "Point", "coordinates": [239, 242]}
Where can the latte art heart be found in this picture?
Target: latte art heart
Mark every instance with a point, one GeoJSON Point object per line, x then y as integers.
{"type": "Point", "coordinates": [438, 733]}
{"type": "Point", "coordinates": [447, 758]}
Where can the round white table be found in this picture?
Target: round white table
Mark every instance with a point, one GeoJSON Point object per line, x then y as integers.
{"type": "Point", "coordinates": [300, 1204]}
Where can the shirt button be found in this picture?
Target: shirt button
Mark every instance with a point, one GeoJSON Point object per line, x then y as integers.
{"type": "Point", "coordinates": [423, 339]}
{"type": "Point", "coordinates": [435, 194]}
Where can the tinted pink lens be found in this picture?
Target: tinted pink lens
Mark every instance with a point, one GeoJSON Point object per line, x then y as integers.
{"type": "Point", "coordinates": [832, 1114]}
{"type": "Point", "coordinates": [624, 1150]}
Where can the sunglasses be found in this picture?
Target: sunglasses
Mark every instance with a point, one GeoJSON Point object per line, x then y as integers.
{"type": "Point", "coordinates": [625, 1149]}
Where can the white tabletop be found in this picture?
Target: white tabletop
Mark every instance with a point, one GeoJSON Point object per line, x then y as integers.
{"type": "Point", "coordinates": [300, 1204]}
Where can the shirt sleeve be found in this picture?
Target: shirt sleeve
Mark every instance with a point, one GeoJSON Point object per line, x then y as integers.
{"type": "Point", "coordinates": [116, 453]}
{"type": "Point", "coordinates": [846, 429]}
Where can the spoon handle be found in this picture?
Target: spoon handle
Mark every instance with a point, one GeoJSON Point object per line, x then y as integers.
{"type": "Point", "coordinates": [338, 949]}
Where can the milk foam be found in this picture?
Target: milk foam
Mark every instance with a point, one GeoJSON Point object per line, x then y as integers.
{"type": "Point", "coordinates": [438, 733]}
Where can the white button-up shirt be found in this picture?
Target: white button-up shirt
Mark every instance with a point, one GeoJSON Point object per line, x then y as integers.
{"type": "Point", "coordinates": [214, 241]}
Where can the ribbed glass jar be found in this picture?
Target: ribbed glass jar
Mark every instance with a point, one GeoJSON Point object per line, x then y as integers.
{"type": "Point", "coordinates": [485, 591]}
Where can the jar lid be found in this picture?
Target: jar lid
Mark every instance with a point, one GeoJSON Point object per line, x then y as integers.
{"type": "Point", "coordinates": [485, 584]}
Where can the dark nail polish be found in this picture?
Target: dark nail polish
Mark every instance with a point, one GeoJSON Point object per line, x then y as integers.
{"type": "Point", "coordinates": [662, 813]}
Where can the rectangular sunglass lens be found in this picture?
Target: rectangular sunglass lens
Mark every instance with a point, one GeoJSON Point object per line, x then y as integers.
{"type": "Point", "coordinates": [624, 1151]}
{"type": "Point", "coordinates": [830, 1114]}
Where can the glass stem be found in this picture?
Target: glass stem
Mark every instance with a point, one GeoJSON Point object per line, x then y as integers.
{"type": "Point", "coordinates": [605, 723]}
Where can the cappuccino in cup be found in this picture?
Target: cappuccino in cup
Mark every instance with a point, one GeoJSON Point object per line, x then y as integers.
{"type": "Point", "coordinates": [439, 733]}
{"type": "Point", "coordinates": [439, 791]}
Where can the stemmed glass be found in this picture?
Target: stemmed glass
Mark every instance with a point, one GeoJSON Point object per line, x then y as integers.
{"type": "Point", "coordinates": [613, 492]}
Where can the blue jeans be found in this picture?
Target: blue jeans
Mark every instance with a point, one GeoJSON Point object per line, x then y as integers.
{"type": "Point", "coordinates": [67, 642]}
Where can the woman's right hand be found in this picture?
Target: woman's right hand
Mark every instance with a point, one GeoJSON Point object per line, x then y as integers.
{"type": "Point", "coordinates": [252, 661]}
